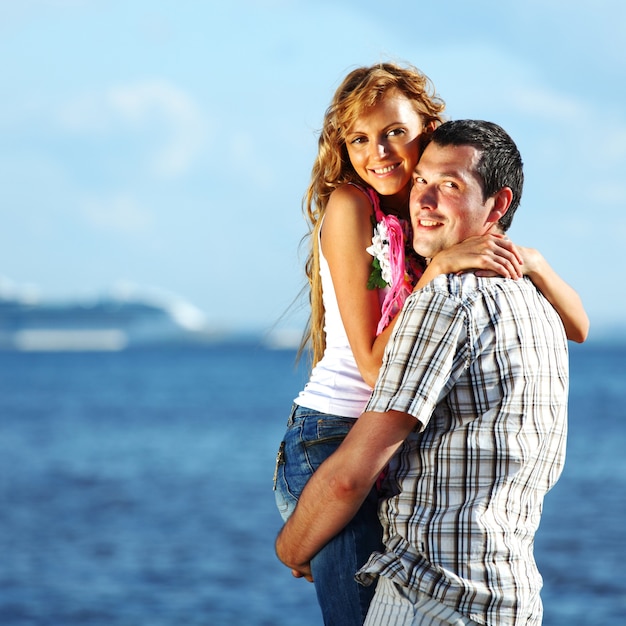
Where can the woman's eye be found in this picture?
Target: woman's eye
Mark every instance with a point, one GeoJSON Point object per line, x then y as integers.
{"type": "Point", "coordinates": [395, 132]}
{"type": "Point", "coordinates": [358, 140]}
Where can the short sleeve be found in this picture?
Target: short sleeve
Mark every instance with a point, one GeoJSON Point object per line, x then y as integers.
{"type": "Point", "coordinates": [426, 354]}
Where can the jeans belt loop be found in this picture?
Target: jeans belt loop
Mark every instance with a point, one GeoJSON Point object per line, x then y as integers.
{"type": "Point", "coordinates": [291, 420]}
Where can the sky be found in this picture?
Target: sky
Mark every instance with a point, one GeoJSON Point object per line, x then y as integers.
{"type": "Point", "coordinates": [166, 146]}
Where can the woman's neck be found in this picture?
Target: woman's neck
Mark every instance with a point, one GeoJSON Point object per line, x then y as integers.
{"type": "Point", "coordinates": [397, 204]}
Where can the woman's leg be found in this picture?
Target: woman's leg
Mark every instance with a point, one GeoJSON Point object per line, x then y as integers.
{"type": "Point", "coordinates": [344, 601]}
{"type": "Point", "coordinates": [312, 437]}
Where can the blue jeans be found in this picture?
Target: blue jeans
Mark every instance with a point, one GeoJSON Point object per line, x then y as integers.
{"type": "Point", "coordinates": [310, 438]}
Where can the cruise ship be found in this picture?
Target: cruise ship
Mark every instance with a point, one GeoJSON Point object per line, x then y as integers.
{"type": "Point", "coordinates": [109, 323]}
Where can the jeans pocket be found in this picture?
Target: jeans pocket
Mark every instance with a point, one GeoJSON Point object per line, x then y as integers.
{"type": "Point", "coordinates": [330, 432]}
{"type": "Point", "coordinates": [330, 429]}
{"type": "Point", "coordinates": [285, 504]}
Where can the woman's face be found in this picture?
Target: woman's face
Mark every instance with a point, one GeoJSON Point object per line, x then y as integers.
{"type": "Point", "coordinates": [383, 145]}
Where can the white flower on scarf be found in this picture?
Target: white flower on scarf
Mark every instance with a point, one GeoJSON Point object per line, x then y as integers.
{"type": "Point", "coordinates": [380, 250]}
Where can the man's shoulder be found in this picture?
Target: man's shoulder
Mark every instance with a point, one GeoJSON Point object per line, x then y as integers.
{"type": "Point", "coordinates": [466, 283]}
{"type": "Point", "coordinates": [471, 292]}
{"type": "Point", "coordinates": [468, 291]}
{"type": "Point", "coordinates": [456, 285]}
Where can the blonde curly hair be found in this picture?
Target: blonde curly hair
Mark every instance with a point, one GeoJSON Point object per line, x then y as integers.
{"type": "Point", "coordinates": [361, 89]}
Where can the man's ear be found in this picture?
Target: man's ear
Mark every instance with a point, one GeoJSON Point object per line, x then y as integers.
{"type": "Point", "coordinates": [501, 203]}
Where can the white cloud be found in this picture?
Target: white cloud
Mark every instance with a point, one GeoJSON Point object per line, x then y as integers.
{"type": "Point", "coordinates": [613, 141]}
{"type": "Point", "coordinates": [119, 213]}
{"type": "Point", "coordinates": [27, 8]}
{"type": "Point", "coordinates": [188, 129]}
{"type": "Point", "coordinates": [537, 101]}
{"type": "Point", "coordinates": [156, 107]}
{"type": "Point", "coordinates": [246, 159]}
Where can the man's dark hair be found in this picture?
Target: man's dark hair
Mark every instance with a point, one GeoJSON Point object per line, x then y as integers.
{"type": "Point", "coordinates": [500, 163]}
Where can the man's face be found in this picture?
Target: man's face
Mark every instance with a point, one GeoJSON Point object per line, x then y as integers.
{"type": "Point", "coordinates": [447, 199]}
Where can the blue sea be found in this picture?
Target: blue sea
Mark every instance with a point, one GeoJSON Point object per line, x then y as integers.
{"type": "Point", "coordinates": [136, 490]}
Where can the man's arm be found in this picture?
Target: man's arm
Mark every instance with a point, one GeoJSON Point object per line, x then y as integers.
{"type": "Point", "coordinates": [340, 485]}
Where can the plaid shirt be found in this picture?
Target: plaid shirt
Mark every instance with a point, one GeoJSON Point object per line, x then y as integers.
{"type": "Point", "coordinates": [482, 363]}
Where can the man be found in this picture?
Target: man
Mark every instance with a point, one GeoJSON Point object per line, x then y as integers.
{"type": "Point", "coordinates": [469, 413]}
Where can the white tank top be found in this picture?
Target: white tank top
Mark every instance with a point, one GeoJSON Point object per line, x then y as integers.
{"type": "Point", "coordinates": [336, 385]}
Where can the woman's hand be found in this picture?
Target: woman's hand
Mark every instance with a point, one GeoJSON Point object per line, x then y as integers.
{"type": "Point", "coordinates": [534, 262]}
{"type": "Point", "coordinates": [488, 255]}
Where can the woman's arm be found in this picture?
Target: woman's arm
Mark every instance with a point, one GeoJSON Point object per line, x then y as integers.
{"type": "Point", "coordinates": [495, 254]}
{"type": "Point", "coordinates": [561, 296]}
{"type": "Point", "coordinates": [346, 233]}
